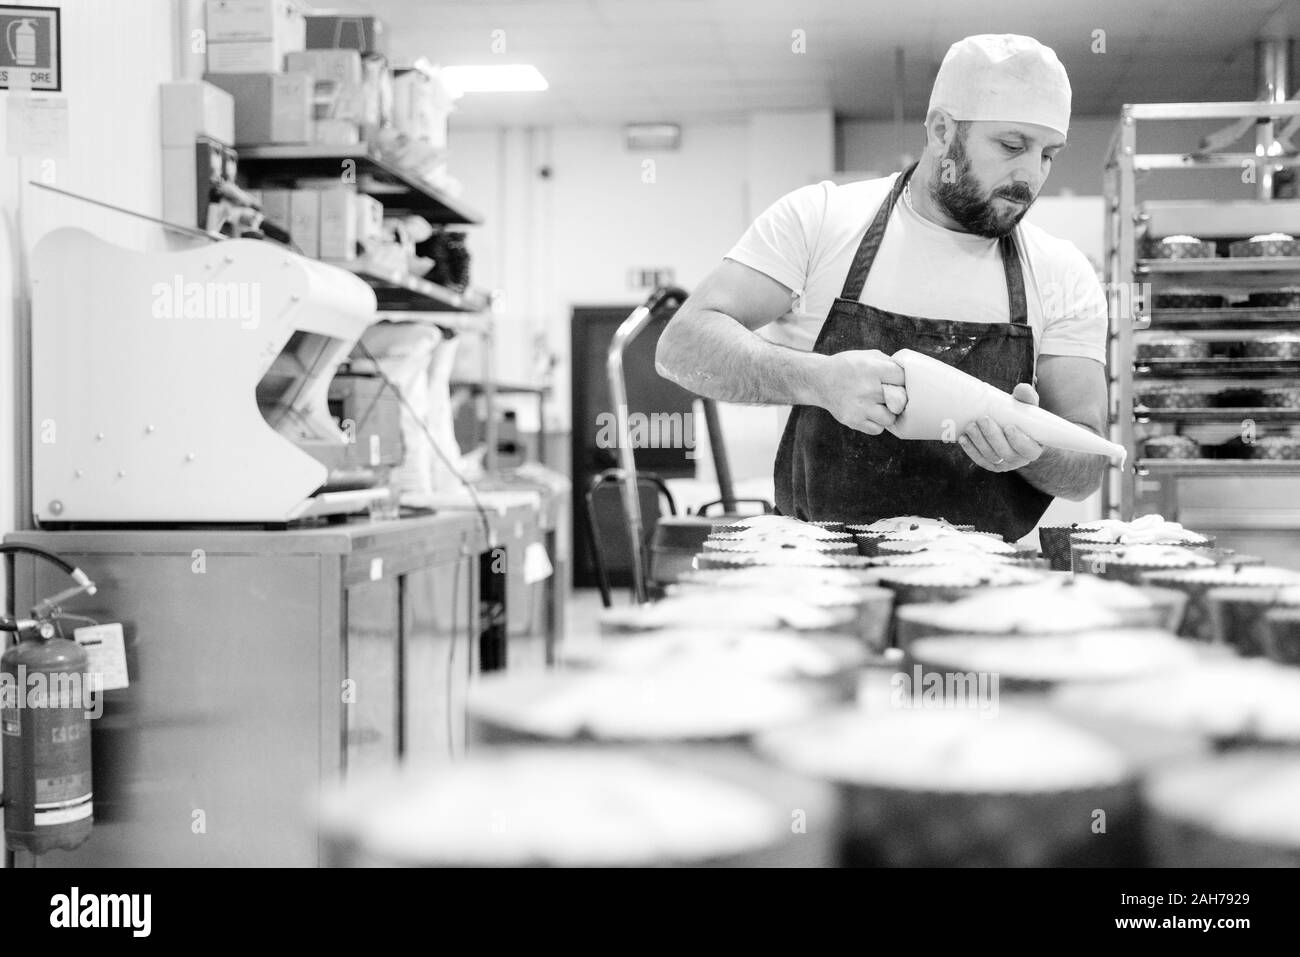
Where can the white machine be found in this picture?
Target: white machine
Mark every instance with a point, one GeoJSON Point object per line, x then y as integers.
{"type": "Point", "coordinates": [189, 387]}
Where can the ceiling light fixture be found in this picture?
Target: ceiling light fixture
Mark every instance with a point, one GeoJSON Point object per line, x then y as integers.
{"type": "Point", "coordinates": [504, 78]}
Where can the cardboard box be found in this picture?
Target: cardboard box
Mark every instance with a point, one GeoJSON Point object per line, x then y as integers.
{"type": "Point", "coordinates": [194, 108]}
{"type": "Point", "coordinates": [369, 214]}
{"type": "Point", "coordinates": [337, 133]}
{"type": "Point", "coordinates": [269, 107]}
{"type": "Point", "coordinates": [255, 20]}
{"type": "Point", "coordinates": [338, 225]}
{"type": "Point", "coordinates": [275, 207]}
{"type": "Point", "coordinates": [346, 32]}
{"type": "Point", "coordinates": [247, 56]}
{"type": "Point", "coordinates": [341, 66]}
{"type": "Point", "coordinates": [304, 221]}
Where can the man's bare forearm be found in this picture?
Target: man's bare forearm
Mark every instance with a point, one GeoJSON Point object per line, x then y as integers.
{"type": "Point", "coordinates": [714, 356]}
{"type": "Point", "coordinates": [1065, 474]}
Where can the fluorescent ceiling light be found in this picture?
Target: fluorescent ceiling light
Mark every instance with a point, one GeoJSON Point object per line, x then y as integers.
{"type": "Point", "coordinates": [506, 78]}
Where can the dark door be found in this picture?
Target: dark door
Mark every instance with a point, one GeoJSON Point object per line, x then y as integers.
{"type": "Point", "coordinates": [651, 396]}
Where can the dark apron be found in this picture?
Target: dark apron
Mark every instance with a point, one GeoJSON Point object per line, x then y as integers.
{"type": "Point", "coordinates": [826, 471]}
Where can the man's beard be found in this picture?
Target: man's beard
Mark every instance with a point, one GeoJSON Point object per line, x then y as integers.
{"type": "Point", "coordinates": [964, 202]}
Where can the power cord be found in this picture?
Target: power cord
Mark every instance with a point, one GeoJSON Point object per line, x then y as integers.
{"type": "Point", "coordinates": [483, 519]}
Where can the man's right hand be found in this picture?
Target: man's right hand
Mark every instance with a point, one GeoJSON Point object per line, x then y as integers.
{"type": "Point", "coordinates": [862, 388]}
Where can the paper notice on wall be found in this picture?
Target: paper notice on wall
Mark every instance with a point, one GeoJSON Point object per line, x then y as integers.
{"type": "Point", "coordinates": [36, 126]}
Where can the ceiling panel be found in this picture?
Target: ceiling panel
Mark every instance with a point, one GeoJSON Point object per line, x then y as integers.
{"type": "Point", "coordinates": [621, 60]}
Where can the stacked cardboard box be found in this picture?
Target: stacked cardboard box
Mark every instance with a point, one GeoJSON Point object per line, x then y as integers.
{"type": "Point", "coordinates": [253, 36]}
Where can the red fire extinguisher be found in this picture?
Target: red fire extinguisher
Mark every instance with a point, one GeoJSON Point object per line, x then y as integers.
{"type": "Point", "coordinates": [45, 689]}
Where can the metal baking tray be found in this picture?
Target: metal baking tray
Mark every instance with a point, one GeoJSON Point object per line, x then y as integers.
{"type": "Point", "coordinates": [1263, 414]}
{"type": "Point", "coordinates": [1217, 368]}
{"type": "Point", "coordinates": [1227, 317]}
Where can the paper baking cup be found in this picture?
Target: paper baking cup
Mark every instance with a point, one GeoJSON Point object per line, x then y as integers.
{"type": "Point", "coordinates": [1238, 615]}
{"type": "Point", "coordinates": [1282, 631]}
{"type": "Point", "coordinates": [1181, 802]}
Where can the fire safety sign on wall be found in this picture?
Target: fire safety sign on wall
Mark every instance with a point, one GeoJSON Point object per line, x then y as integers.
{"type": "Point", "coordinates": [30, 51]}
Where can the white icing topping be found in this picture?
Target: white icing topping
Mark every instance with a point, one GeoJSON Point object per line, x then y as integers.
{"type": "Point", "coordinates": [815, 608]}
{"type": "Point", "coordinates": [565, 807]}
{"type": "Point", "coordinates": [954, 750]}
{"type": "Point", "coordinates": [1086, 656]}
{"type": "Point", "coordinates": [763, 654]}
{"type": "Point", "coordinates": [1077, 604]}
{"type": "Point", "coordinates": [1224, 698]}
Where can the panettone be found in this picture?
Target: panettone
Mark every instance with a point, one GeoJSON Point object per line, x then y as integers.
{"type": "Point", "coordinates": [1170, 347]}
{"type": "Point", "coordinates": [1180, 247]}
{"type": "Point", "coordinates": [1171, 447]}
{"type": "Point", "coordinates": [1266, 245]}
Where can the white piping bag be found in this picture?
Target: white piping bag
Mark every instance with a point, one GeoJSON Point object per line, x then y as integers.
{"type": "Point", "coordinates": [943, 401]}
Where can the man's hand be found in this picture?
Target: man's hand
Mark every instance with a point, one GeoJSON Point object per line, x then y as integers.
{"type": "Point", "coordinates": [862, 388]}
{"type": "Point", "coordinates": [997, 449]}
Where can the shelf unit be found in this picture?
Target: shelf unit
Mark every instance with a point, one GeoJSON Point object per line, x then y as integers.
{"type": "Point", "coordinates": [398, 189]}
{"type": "Point", "coordinates": [1232, 493]}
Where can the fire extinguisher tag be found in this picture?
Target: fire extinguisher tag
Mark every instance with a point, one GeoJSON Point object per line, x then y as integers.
{"type": "Point", "coordinates": [106, 648]}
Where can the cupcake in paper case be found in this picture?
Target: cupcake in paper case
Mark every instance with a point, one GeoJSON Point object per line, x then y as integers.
{"type": "Point", "coordinates": [826, 659]}
{"type": "Point", "coordinates": [1282, 635]}
{"type": "Point", "coordinates": [1183, 297]}
{"type": "Point", "coordinates": [1146, 530]}
{"type": "Point", "coordinates": [970, 786]}
{"type": "Point", "coordinates": [1170, 347]}
{"type": "Point", "coordinates": [778, 578]}
{"type": "Point", "coordinates": [1042, 661]}
{"type": "Point", "coordinates": [1229, 810]}
{"type": "Point", "coordinates": [1265, 245]}
{"type": "Point", "coordinates": [1282, 398]}
{"type": "Point", "coordinates": [1054, 606]}
{"type": "Point", "coordinates": [1054, 542]}
{"type": "Point", "coordinates": [985, 543]}
{"type": "Point", "coordinates": [579, 807]}
{"type": "Point", "coordinates": [960, 578]}
{"type": "Point", "coordinates": [780, 558]}
{"type": "Point", "coordinates": [781, 524]}
{"type": "Point", "coordinates": [1198, 622]}
{"type": "Point", "coordinates": [821, 608]}
{"type": "Point", "coordinates": [1128, 563]}
{"type": "Point", "coordinates": [1237, 616]}
{"type": "Point", "coordinates": [1287, 297]}
{"type": "Point", "coordinates": [1225, 700]}
{"type": "Point", "coordinates": [781, 532]}
{"type": "Point", "coordinates": [1179, 247]}
{"type": "Point", "coordinates": [720, 543]}
{"type": "Point", "coordinates": [870, 535]}
{"type": "Point", "coordinates": [660, 705]}
{"type": "Point", "coordinates": [829, 587]}
{"type": "Point", "coordinates": [1276, 448]}
{"type": "Point", "coordinates": [1171, 397]}
{"type": "Point", "coordinates": [1283, 345]}
{"type": "Point", "coordinates": [1171, 447]}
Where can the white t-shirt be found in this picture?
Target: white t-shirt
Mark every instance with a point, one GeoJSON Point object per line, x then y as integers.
{"type": "Point", "coordinates": [806, 241]}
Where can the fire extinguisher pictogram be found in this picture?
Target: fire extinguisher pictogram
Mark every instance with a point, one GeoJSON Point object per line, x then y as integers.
{"type": "Point", "coordinates": [45, 725]}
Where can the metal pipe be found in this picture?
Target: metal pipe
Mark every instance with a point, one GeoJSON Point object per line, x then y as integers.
{"type": "Point", "coordinates": [630, 328]}
{"type": "Point", "coordinates": [1272, 68]}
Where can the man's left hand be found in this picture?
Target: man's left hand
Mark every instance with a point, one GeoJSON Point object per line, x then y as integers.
{"type": "Point", "coordinates": [997, 449]}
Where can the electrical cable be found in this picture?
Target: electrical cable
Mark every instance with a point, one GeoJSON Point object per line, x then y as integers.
{"type": "Point", "coordinates": [451, 659]}
{"type": "Point", "coordinates": [473, 494]}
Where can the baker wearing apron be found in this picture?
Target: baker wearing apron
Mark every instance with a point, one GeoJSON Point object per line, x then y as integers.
{"type": "Point", "coordinates": [998, 115]}
{"type": "Point", "coordinates": [826, 471]}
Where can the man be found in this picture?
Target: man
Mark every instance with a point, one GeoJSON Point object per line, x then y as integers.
{"type": "Point", "coordinates": [933, 259]}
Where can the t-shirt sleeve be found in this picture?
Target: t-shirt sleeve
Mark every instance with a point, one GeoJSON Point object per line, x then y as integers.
{"type": "Point", "coordinates": [1075, 319]}
{"type": "Point", "coordinates": [780, 242]}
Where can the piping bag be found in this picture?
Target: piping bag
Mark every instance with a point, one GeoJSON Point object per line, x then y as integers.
{"type": "Point", "coordinates": [943, 401]}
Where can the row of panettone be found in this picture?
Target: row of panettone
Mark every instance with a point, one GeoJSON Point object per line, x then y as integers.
{"type": "Point", "coordinates": [1281, 346]}
{"type": "Point", "coordinates": [904, 692]}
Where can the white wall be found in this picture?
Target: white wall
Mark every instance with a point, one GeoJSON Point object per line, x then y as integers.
{"type": "Point", "coordinates": [115, 55]}
{"type": "Point", "coordinates": [570, 239]}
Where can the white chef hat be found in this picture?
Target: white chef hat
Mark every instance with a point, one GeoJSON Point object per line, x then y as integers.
{"type": "Point", "coordinates": [1005, 77]}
